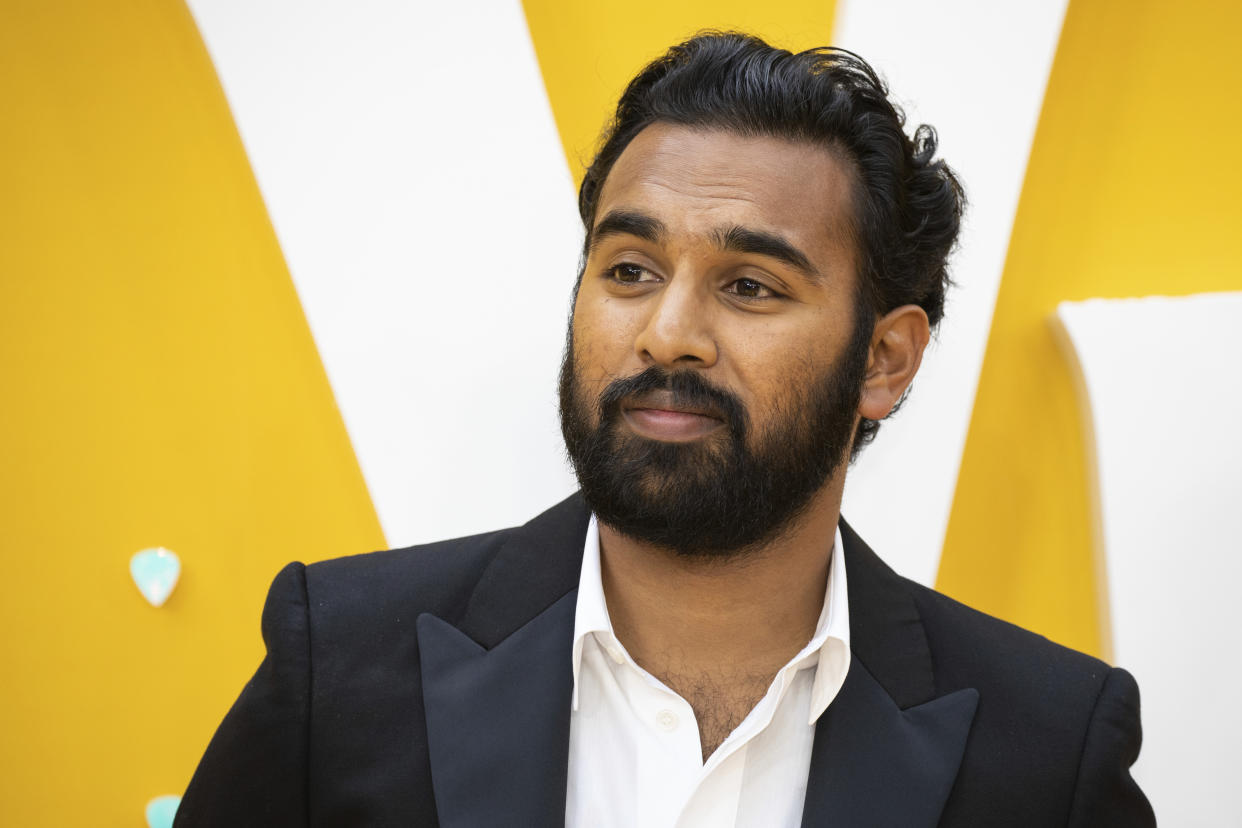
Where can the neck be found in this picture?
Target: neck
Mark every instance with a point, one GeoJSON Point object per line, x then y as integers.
{"type": "Point", "coordinates": [680, 616]}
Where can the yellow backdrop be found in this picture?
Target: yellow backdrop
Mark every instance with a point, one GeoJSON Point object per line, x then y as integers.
{"type": "Point", "coordinates": [1132, 190]}
{"type": "Point", "coordinates": [588, 51]}
{"type": "Point", "coordinates": [160, 387]}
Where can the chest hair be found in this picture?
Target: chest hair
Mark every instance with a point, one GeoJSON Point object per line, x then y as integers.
{"type": "Point", "coordinates": [720, 702]}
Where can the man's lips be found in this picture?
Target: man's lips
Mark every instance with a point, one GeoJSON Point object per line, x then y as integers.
{"type": "Point", "coordinates": [658, 415]}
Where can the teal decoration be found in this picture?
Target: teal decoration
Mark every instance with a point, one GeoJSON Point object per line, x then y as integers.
{"type": "Point", "coordinates": [155, 571]}
{"type": "Point", "coordinates": [162, 809]}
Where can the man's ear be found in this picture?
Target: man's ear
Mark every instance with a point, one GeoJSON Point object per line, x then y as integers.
{"type": "Point", "coordinates": [897, 345]}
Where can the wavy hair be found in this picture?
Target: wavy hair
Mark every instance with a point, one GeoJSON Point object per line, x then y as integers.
{"type": "Point", "coordinates": [907, 204]}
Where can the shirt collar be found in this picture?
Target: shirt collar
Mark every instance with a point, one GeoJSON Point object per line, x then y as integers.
{"type": "Point", "coordinates": [828, 650]}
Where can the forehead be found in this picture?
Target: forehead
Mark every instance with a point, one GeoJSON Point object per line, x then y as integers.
{"type": "Point", "coordinates": [695, 180]}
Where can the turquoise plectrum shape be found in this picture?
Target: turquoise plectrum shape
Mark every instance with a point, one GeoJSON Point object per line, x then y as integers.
{"type": "Point", "coordinates": [162, 809]}
{"type": "Point", "coordinates": [155, 571]}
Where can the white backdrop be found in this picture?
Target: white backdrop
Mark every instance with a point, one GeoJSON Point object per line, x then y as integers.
{"type": "Point", "coordinates": [1162, 388]}
{"type": "Point", "coordinates": [976, 71]}
{"type": "Point", "coordinates": [427, 215]}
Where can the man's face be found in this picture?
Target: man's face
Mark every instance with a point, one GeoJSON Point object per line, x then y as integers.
{"type": "Point", "coordinates": [712, 383]}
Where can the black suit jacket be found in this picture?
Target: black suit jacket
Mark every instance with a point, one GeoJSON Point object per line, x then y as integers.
{"type": "Point", "coordinates": [431, 686]}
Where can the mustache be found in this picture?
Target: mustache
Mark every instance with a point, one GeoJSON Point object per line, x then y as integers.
{"type": "Point", "coordinates": [689, 388]}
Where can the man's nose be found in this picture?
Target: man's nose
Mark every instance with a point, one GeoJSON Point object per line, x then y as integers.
{"type": "Point", "coordinates": [678, 332]}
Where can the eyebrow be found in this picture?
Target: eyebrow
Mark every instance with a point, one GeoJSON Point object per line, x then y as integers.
{"type": "Point", "coordinates": [762, 243]}
{"type": "Point", "coordinates": [628, 223]}
{"type": "Point", "coordinates": [737, 239]}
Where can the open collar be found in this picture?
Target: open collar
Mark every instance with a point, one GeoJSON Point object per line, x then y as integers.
{"type": "Point", "coordinates": [498, 685]}
{"type": "Point", "coordinates": [828, 647]}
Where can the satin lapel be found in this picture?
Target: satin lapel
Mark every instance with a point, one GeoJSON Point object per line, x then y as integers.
{"type": "Point", "coordinates": [875, 765]}
{"type": "Point", "coordinates": [886, 750]}
{"type": "Point", "coordinates": [497, 682]}
{"type": "Point", "coordinates": [540, 563]}
{"type": "Point", "coordinates": [498, 720]}
{"type": "Point", "coordinates": [886, 630]}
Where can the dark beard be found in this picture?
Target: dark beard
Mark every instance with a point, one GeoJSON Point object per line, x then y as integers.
{"type": "Point", "coordinates": [716, 496]}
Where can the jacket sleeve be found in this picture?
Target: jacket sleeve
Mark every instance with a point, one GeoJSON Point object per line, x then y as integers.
{"type": "Point", "coordinates": [255, 769]}
{"type": "Point", "coordinates": [1106, 794]}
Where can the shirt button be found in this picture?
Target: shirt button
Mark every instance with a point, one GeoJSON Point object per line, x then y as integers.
{"type": "Point", "coordinates": [667, 720]}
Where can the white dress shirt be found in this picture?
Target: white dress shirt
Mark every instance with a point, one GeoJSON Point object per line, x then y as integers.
{"type": "Point", "coordinates": [634, 753]}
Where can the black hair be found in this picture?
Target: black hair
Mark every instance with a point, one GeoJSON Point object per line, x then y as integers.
{"type": "Point", "coordinates": [907, 204]}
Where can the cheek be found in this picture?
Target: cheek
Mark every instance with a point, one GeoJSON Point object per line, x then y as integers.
{"type": "Point", "coordinates": [777, 365]}
{"type": "Point", "coordinates": [603, 337]}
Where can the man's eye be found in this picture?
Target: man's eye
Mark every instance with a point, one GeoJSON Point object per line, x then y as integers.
{"type": "Point", "coordinates": [750, 289]}
{"type": "Point", "coordinates": [629, 273]}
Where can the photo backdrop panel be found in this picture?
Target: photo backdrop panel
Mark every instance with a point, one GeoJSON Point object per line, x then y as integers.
{"type": "Point", "coordinates": [1161, 393]}
{"type": "Point", "coordinates": [976, 71]}
{"type": "Point", "coordinates": [160, 389]}
{"type": "Point", "coordinates": [411, 166]}
{"type": "Point", "coordinates": [1126, 195]}
{"type": "Point", "coordinates": [588, 52]}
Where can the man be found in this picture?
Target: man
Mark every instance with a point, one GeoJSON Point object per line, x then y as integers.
{"type": "Point", "coordinates": [696, 639]}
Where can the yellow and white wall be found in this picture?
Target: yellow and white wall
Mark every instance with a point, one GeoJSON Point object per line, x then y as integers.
{"type": "Point", "coordinates": [290, 280]}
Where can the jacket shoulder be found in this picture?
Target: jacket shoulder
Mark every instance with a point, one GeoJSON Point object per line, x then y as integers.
{"type": "Point", "coordinates": [969, 647]}
{"type": "Point", "coordinates": [381, 593]}
{"type": "Point", "coordinates": [1050, 719]}
{"type": "Point", "coordinates": [959, 633]}
{"type": "Point", "coordinates": [395, 584]}
{"type": "Point", "coordinates": [337, 694]}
